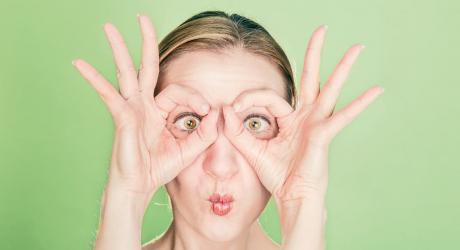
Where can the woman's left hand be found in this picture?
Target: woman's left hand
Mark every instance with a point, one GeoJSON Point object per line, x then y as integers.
{"type": "Point", "coordinates": [293, 165]}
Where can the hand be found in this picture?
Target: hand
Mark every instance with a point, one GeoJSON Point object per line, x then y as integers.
{"type": "Point", "coordinates": [293, 165]}
{"type": "Point", "coordinates": [145, 154]}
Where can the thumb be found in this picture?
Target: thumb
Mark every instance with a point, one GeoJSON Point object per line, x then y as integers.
{"type": "Point", "coordinates": [201, 138]}
{"type": "Point", "coordinates": [249, 146]}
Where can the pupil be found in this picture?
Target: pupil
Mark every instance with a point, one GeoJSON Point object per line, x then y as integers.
{"type": "Point", "coordinates": [254, 124]}
{"type": "Point", "coordinates": [190, 123]}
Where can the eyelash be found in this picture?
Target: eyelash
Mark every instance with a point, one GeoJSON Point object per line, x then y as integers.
{"type": "Point", "coordinates": [185, 114]}
{"type": "Point", "coordinates": [181, 115]}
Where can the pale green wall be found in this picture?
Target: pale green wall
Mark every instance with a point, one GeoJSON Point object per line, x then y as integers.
{"type": "Point", "coordinates": [394, 172]}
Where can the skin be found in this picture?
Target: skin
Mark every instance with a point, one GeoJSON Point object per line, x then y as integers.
{"type": "Point", "coordinates": [220, 79]}
{"type": "Point", "coordinates": [220, 154]}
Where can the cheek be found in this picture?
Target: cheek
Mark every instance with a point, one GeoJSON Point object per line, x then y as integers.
{"type": "Point", "coordinates": [186, 183]}
{"type": "Point", "coordinates": [252, 190]}
{"type": "Point", "coordinates": [184, 191]}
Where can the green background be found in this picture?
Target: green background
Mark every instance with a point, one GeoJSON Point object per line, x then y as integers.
{"type": "Point", "coordinates": [394, 171]}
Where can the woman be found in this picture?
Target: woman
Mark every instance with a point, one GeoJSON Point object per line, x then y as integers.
{"type": "Point", "coordinates": [213, 114]}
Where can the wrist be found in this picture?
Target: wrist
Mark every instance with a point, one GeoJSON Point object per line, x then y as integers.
{"type": "Point", "coordinates": [117, 197]}
{"type": "Point", "coordinates": [303, 222]}
{"type": "Point", "coordinates": [121, 218]}
{"type": "Point", "coordinates": [291, 210]}
{"type": "Point", "coordinates": [310, 192]}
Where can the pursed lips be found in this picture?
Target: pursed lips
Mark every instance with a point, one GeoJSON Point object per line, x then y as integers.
{"type": "Point", "coordinates": [221, 204]}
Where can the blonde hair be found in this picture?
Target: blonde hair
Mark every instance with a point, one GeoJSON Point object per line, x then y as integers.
{"type": "Point", "coordinates": [216, 30]}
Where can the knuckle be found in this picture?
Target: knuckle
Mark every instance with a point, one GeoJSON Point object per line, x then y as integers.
{"type": "Point", "coordinates": [93, 74]}
{"type": "Point", "coordinates": [123, 72]}
{"type": "Point", "coordinates": [131, 67]}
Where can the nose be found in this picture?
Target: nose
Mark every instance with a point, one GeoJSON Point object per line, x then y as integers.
{"type": "Point", "coordinates": [221, 157]}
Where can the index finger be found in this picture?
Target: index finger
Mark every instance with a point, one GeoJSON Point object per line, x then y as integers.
{"type": "Point", "coordinates": [176, 94]}
{"type": "Point", "coordinates": [268, 98]}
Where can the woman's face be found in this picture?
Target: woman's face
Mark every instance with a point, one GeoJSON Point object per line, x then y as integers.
{"type": "Point", "coordinates": [221, 168]}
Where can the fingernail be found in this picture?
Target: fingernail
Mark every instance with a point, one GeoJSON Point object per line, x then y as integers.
{"type": "Point", "coordinates": [363, 46]}
{"type": "Point", "coordinates": [73, 62]}
{"type": "Point", "coordinates": [325, 26]}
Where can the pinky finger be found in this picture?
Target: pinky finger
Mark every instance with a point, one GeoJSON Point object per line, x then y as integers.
{"type": "Point", "coordinates": [342, 118]}
{"type": "Point", "coordinates": [106, 91]}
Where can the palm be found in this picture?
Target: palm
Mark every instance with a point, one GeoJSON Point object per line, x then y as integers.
{"type": "Point", "coordinates": [144, 160]}
{"type": "Point", "coordinates": [278, 162]}
{"type": "Point", "coordinates": [295, 162]}
{"type": "Point", "coordinates": [145, 154]}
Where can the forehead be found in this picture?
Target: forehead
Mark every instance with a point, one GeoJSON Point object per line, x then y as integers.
{"type": "Point", "coordinates": [221, 76]}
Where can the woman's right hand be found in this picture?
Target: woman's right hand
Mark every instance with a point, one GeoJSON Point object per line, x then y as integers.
{"type": "Point", "coordinates": [145, 154]}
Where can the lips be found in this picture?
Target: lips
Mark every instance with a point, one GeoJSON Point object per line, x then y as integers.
{"type": "Point", "coordinates": [221, 204]}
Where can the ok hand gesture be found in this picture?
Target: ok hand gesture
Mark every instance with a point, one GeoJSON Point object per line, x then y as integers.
{"type": "Point", "coordinates": [145, 154]}
{"type": "Point", "coordinates": [293, 165]}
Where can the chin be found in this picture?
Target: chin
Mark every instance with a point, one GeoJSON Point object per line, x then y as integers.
{"type": "Point", "coordinates": [221, 230]}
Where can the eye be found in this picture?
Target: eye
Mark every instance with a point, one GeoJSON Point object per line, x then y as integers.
{"type": "Point", "coordinates": [187, 121]}
{"type": "Point", "coordinates": [257, 123]}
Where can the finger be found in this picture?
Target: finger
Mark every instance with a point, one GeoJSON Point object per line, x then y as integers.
{"type": "Point", "coordinates": [268, 98]}
{"type": "Point", "coordinates": [309, 81]}
{"type": "Point", "coordinates": [331, 90]}
{"type": "Point", "coordinates": [106, 91]}
{"type": "Point", "coordinates": [175, 94]}
{"type": "Point", "coordinates": [149, 68]}
{"type": "Point", "coordinates": [201, 138]}
{"type": "Point", "coordinates": [126, 72]}
{"type": "Point", "coordinates": [249, 146]}
{"type": "Point", "coordinates": [342, 118]}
